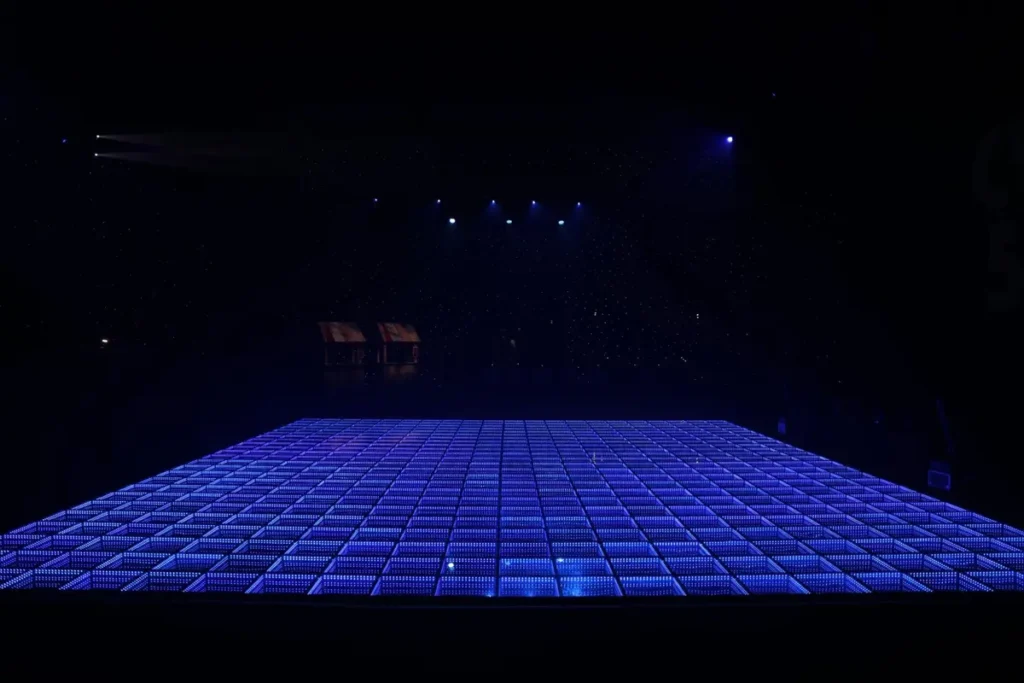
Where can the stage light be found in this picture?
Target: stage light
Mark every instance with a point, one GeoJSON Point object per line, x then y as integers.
{"type": "Point", "coordinates": [97, 137]}
{"type": "Point", "coordinates": [95, 154]}
{"type": "Point", "coordinates": [729, 139]}
{"type": "Point", "coordinates": [451, 221]}
{"type": "Point", "coordinates": [374, 200]}
{"type": "Point", "coordinates": [561, 222]}
{"type": "Point", "coordinates": [508, 222]}
{"type": "Point", "coordinates": [579, 203]}
{"type": "Point", "coordinates": [493, 202]}
{"type": "Point", "coordinates": [533, 203]}
{"type": "Point", "coordinates": [438, 201]}
{"type": "Point", "coordinates": [63, 141]}
{"type": "Point", "coordinates": [104, 341]}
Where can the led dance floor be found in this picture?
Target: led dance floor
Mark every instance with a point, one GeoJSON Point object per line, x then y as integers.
{"type": "Point", "coordinates": [511, 508]}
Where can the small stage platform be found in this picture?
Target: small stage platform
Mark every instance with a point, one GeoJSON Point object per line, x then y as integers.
{"type": "Point", "coordinates": [626, 515]}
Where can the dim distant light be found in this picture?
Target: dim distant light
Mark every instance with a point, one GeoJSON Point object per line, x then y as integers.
{"type": "Point", "coordinates": [104, 341]}
{"type": "Point", "coordinates": [561, 222]}
{"type": "Point", "coordinates": [438, 201]}
{"type": "Point", "coordinates": [508, 222]}
{"type": "Point", "coordinates": [579, 203]}
{"type": "Point", "coordinates": [451, 221]}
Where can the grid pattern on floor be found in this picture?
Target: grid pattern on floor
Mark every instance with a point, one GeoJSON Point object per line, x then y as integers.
{"type": "Point", "coordinates": [511, 508]}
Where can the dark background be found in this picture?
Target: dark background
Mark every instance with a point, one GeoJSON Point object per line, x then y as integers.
{"type": "Point", "coordinates": [833, 266]}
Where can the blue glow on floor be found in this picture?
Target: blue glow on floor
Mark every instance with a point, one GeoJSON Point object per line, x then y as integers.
{"type": "Point", "coordinates": [511, 508]}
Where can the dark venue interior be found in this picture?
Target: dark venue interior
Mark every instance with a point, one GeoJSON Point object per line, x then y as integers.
{"type": "Point", "coordinates": [804, 225]}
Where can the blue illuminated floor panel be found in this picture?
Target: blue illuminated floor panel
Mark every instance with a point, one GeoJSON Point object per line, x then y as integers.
{"type": "Point", "coordinates": [516, 509]}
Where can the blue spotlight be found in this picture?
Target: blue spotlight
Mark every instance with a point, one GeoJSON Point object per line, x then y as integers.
{"type": "Point", "coordinates": [508, 222]}
{"type": "Point", "coordinates": [451, 221]}
{"type": "Point", "coordinates": [533, 203]}
{"type": "Point", "coordinates": [561, 222]}
{"type": "Point", "coordinates": [493, 202]}
{"type": "Point", "coordinates": [438, 201]}
{"type": "Point", "coordinates": [579, 203]}
{"type": "Point", "coordinates": [729, 139]}
{"type": "Point", "coordinates": [374, 200]}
